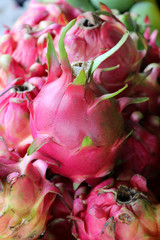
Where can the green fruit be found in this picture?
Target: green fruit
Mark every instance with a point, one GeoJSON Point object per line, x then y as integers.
{"type": "Point", "coordinates": [85, 5]}
{"type": "Point", "coordinates": [153, 1]}
{"type": "Point", "coordinates": [149, 9]}
{"type": "Point", "coordinates": [121, 5]}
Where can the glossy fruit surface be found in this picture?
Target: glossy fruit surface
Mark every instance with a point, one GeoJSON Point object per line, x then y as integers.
{"type": "Point", "coordinates": [149, 9]}
{"type": "Point", "coordinates": [115, 4]}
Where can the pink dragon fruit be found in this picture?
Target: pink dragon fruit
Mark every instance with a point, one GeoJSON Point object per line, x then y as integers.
{"type": "Point", "coordinates": [25, 202]}
{"type": "Point", "coordinates": [24, 61]}
{"type": "Point", "coordinates": [14, 116]}
{"type": "Point", "coordinates": [157, 207]}
{"type": "Point", "coordinates": [58, 11]}
{"type": "Point", "coordinates": [94, 34]}
{"type": "Point", "coordinates": [59, 230]}
{"type": "Point", "coordinates": [42, 38]}
{"type": "Point", "coordinates": [116, 209]}
{"type": "Point", "coordinates": [142, 148]}
{"type": "Point", "coordinates": [26, 51]}
{"type": "Point", "coordinates": [147, 85]}
{"type": "Point", "coordinates": [153, 52]}
{"type": "Point", "coordinates": [60, 226]}
{"type": "Point", "coordinates": [81, 132]}
{"type": "Point", "coordinates": [7, 43]}
{"type": "Point", "coordinates": [10, 69]}
{"type": "Point", "coordinates": [8, 159]}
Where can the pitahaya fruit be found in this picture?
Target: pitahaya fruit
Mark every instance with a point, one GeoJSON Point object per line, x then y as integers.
{"type": "Point", "coordinates": [157, 210]}
{"type": "Point", "coordinates": [115, 209]}
{"type": "Point", "coordinates": [147, 85]}
{"type": "Point", "coordinates": [7, 43]}
{"type": "Point", "coordinates": [10, 69]}
{"type": "Point", "coordinates": [26, 51]}
{"type": "Point", "coordinates": [25, 202]}
{"type": "Point", "coordinates": [94, 34]}
{"type": "Point", "coordinates": [153, 52]}
{"type": "Point", "coordinates": [42, 38]}
{"type": "Point", "coordinates": [142, 148]}
{"type": "Point", "coordinates": [9, 159]}
{"type": "Point", "coordinates": [58, 11]}
{"type": "Point", "coordinates": [60, 226]}
{"type": "Point", "coordinates": [81, 132]}
{"type": "Point", "coordinates": [14, 115]}
{"type": "Point", "coordinates": [58, 230]}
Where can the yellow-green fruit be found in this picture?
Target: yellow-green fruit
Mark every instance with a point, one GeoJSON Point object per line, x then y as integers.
{"type": "Point", "coordinates": [153, 1]}
{"type": "Point", "coordinates": [149, 9]}
{"type": "Point", "coordinates": [123, 5]}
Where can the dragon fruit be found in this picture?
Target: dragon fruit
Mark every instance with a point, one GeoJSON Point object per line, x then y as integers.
{"type": "Point", "coordinates": [58, 11]}
{"type": "Point", "coordinates": [147, 85]}
{"type": "Point", "coordinates": [25, 202]}
{"type": "Point", "coordinates": [153, 52]}
{"type": "Point", "coordinates": [94, 34]}
{"type": "Point", "coordinates": [59, 230]}
{"type": "Point", "coordinates": [42, 37]}
{"type": "Point", "coordinates": [116, 209]}
{"type": "Point", "coordinates": [14, 116]}
{"type": "Point", "coordinates": [157, 210]}
{"type": "Point", "coordinates": [10, 70]}
{"type": "Point", "coordinates": [60, 226]}
{"type": "Point", "coordinates": [141, 148]}
{"type": "Point", "coordinates": [7, 43]}
{"type": "Point", "coordinates": [82, 133]}
{"type": "Point", "coordinates": [26, 51]}
{"type": "Point", "coordinates": [9, 159]}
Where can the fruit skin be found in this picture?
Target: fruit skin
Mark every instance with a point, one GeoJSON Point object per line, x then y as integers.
{"type": "Point", "coordinates": [85, 5]}
{"type": "Point", "coordinates": [59, 230]}
{"type": "Point", "coordinates": [62, 99]}
{"type": "Point", "coordinates": [141, 150]}
{"type": "Point", "coordinates": [56, 12]}
{"type": "Point", "coordinates": [115, 4]}
{"type": "Point", "coordinates": [14, 115]}
{"type": "Point", "coordinates": [146, 84]}
{"type": "Point", "coordinates": [9, 160]}
{"type": "Point", "coordinates": [7, 43]}
{"type": "Point", "coordinates": [25, 202]}
{"type": "Point", "coordinates": [82, 133]}
{"type": "Point", "coordinates": [153, 52]}
{"type": "Point", "coordinates": [86, 42]}
{"type": "Point", "coordinates": [26, 51]}
{"type": "Point", "coordinates": [106, 214]}
{"type": "Point", "coordinates": [10, 69]}
{"type": "Point", "coordinates": [149, 9]}
{"type": "Point", "coordinates": [60, 226]}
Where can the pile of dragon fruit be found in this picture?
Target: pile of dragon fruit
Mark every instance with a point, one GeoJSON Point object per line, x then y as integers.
{"type": "Point", "coordinates": [79, 125]}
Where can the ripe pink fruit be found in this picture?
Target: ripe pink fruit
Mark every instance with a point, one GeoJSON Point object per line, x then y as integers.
{"type": "Point", "coordinates": [56, 12]}
{"type": "Point", "coordinates": [60, 226]}
{"type": "Point", "coordinates": [95, 34]}
{"type": "Point", "coordinates": [14, 115]}
{"type": "Point", "coordinates": [8, 160]}
{"type": "Point", "coordinates": [81, 132]}
{"type": "Point", "coordinates": [25, 202]}
{"type": "Point", "coordinates": [10, 69]}
{"type": "Point", "coordinates": [153, 52]}
{"type": "Point", "coordinates": [58, 230]}
{"type": "Point", "coordinates": [115, 209]}
{"type": "Point", "coordinates": [7, 43]}
{"type": "Point", "coordinates": [26, 51]}
{"type": "Point", "coordinates": [157, 210]}
{"type": "Point", "coordinates": [147, 85]}
{"type": "Point", "coordinates": [42, 38]}
{"type": "Point", "coordinates": [142, 149]}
